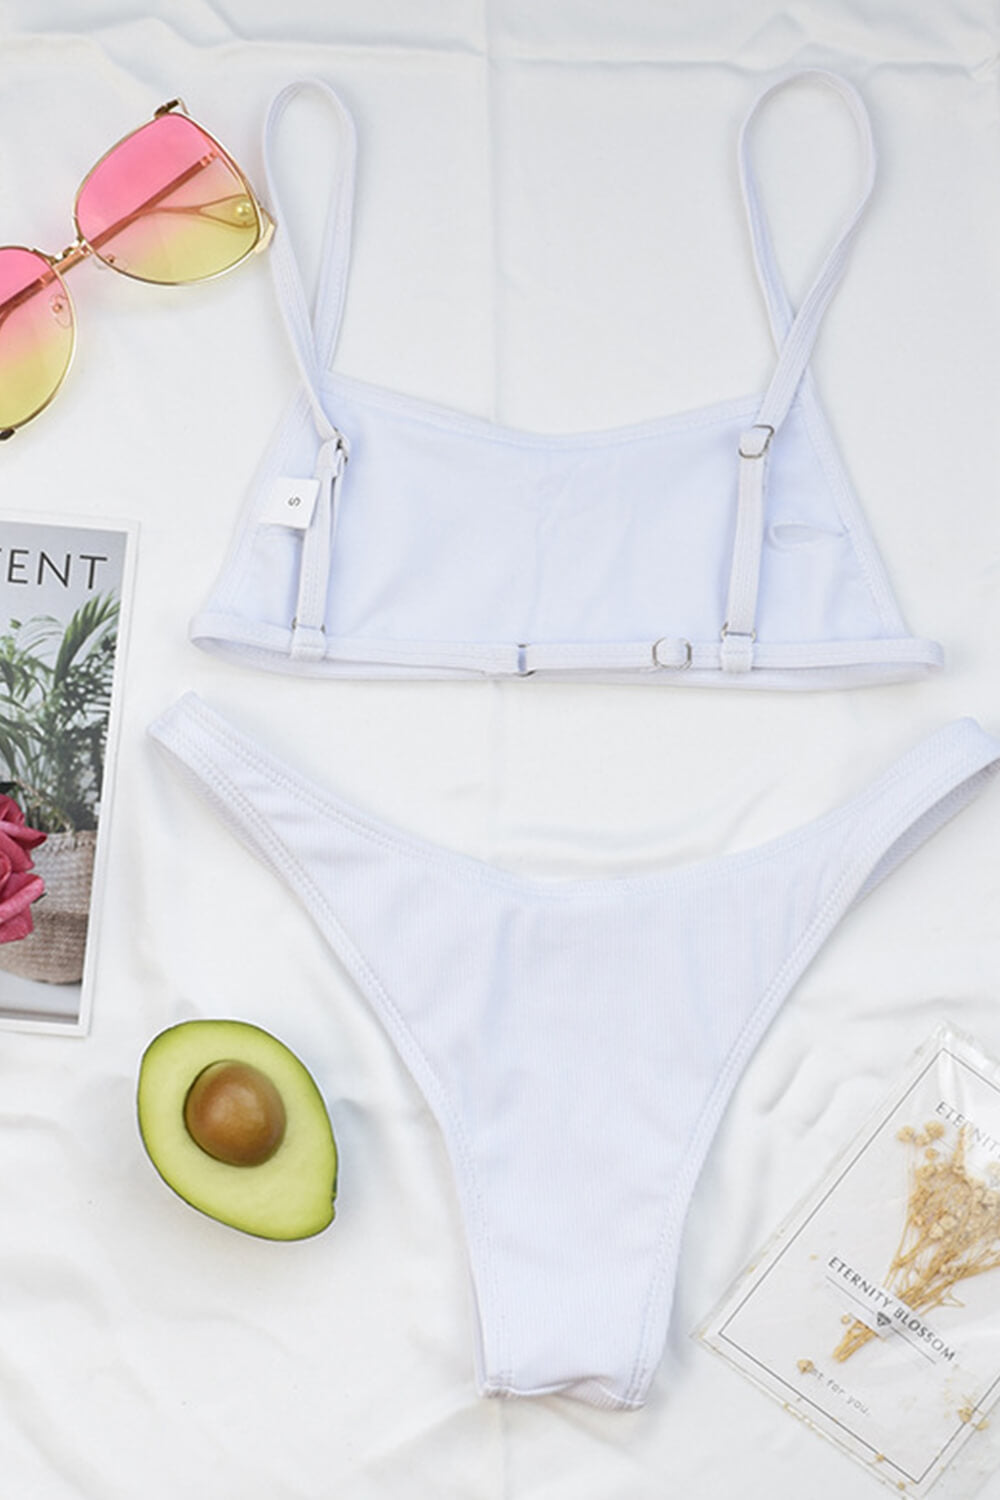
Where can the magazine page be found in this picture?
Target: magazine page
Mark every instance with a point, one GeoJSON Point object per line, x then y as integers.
{"type": "Point", "coordinates": [64, 590]}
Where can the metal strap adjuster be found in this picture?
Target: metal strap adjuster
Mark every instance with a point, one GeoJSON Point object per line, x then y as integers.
{"type": "Point", "coordinates": [767, 430]}
{"type": "Point", "coordinates": [736, 652]}
{"type": "Point", "coordinates": [737, 635]}
{"type": "Point", "coordinates": [673, 666]}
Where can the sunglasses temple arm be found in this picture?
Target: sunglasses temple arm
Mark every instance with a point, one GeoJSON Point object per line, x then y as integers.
{"type": "Point", "coordinates": [76, 253]}
{"type": "Point", "coordinates": [79, 251]}
{"type": "Point", "coordinates": [151, 202]}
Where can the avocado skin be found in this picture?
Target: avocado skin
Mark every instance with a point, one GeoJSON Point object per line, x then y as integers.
{"type": "Point", "coordinates": [290, 1196]}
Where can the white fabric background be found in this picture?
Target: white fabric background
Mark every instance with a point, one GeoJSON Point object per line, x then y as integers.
{"type": "Point", "coordinates": [548, 231]}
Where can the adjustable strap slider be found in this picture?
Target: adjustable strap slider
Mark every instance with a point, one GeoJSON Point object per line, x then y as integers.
{"type": "Point", "coordinates": [333, 455]}
{"type": "Point", "coordinates": [736, 651]}
{"type": "Point", "coordinates": [672, 652]}
{"type": "Point", "coordinates": [756, 440]}
{"type": "Point", "coordinates": [308, 642]}
{"type": "Point", "coordinates": [736, 654]}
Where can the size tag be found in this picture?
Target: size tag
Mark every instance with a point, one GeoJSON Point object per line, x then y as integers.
{"type": "Point", "coordinates": [291, 502]}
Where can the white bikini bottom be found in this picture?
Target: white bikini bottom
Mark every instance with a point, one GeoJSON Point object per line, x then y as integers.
{"type": "Point", "coordinates": [577, 1040]}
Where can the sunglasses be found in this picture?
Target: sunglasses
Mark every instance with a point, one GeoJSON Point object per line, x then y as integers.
{"type": "Point", "coordinates": [167, 205]}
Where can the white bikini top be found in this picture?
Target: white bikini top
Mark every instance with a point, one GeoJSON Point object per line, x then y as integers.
{"type": "Point", "coordinates": [384, 536]}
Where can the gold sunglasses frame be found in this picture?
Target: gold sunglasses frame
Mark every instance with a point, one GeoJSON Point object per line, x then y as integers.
{"type": "Point", "coordinates": [81, 249]}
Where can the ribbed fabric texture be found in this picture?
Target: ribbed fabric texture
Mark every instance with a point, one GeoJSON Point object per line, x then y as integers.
{"type": "Point", "coordinates": [577, 1040]}
{"type": "Point", "coordinates": [678, 551]}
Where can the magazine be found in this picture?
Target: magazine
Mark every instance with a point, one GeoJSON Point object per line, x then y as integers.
{"type": "Point", "coordinates": [65, 587]}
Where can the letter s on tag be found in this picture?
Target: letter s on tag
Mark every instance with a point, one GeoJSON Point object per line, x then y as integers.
{"type": "Point", "coordinates": [290, 502]}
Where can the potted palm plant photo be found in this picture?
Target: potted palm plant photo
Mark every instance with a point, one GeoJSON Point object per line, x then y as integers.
{"type": "Point", "coordinates": [56, 682]}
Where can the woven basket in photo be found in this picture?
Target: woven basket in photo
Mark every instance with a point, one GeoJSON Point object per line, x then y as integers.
{"type": "Point", "coordinates": [53, 953]}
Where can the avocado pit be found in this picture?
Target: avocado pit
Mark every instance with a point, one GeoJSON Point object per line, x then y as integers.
{"type": "Point", "coordinates": [234, 1112]}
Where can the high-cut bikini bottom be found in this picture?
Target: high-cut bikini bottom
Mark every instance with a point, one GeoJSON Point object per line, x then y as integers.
{"type": "Point", "coordinates": [576, 1040]}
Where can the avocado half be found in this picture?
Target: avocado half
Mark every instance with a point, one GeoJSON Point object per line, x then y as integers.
{"type": "Point", "coordinates": [233, 1122]}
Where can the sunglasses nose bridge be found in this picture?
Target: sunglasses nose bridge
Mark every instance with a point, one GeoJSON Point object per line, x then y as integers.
{"type": "Point", "coordinates": [71, 256]}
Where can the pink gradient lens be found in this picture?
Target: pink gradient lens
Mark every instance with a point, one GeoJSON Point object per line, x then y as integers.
{"type": "Point", "coordinates": [36, 334]}
{"type": "Point", "coordinates": [168, 205]}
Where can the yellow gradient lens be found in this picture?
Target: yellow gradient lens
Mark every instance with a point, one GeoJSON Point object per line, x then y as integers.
{"type": "Point", "coordinates": [36, 334]}
{"type": "Point", "coordinates": [168, 205]}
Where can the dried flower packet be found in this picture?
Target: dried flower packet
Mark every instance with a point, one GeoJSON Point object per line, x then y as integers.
{"type": "Point", "coordinates": [874, 1313]}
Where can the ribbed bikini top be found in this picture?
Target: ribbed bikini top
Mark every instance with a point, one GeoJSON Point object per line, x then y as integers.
{"type": "Point", "coordinates": [388, 537]}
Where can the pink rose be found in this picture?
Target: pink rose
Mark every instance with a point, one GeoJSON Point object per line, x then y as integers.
{"type": "Point", "coordinates": [19, 887]}
{"type": "Point", "coordinates": [16, 838]}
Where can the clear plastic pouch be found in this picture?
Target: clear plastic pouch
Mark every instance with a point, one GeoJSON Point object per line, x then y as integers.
{"type": "Point", "coordinates": [874, 1313]}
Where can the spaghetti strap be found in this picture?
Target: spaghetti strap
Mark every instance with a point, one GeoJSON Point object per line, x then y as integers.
{"type": "Point", "coordinates": [314, 335]}
{"type": "Point", "coordinates": [655, 565]}
{"type": "Point", "coordinates": [314, 339]}
{"type": "Point", "coordinates": [794, 335]}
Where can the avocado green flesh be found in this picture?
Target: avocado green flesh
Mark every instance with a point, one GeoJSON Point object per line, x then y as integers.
{"type": "Point", "coordinates": [288, 1197]}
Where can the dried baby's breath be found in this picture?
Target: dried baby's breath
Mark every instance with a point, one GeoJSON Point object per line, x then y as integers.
{"type": "Point", "coordinates": [952, 1229]}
